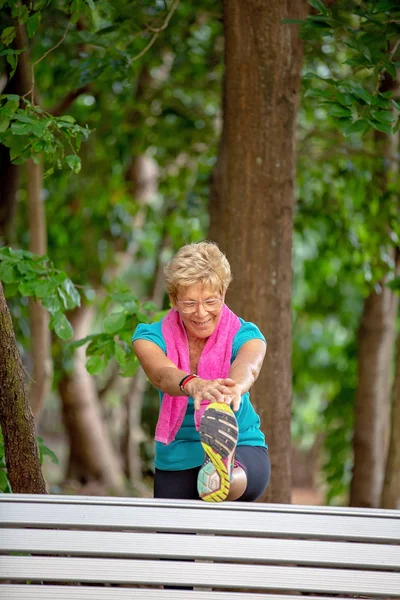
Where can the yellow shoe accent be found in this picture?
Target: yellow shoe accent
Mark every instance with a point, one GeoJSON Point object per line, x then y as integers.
{"type": "Point", "coordinates": [218, 436]}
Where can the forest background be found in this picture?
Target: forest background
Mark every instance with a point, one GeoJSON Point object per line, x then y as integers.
{"type": "Point", "coordinates": [130, 128]}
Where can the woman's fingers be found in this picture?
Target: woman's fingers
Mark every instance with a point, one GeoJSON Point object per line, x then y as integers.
{"type": "Point", "coordinates": [219, 390]}
{"type": "Point", "coordinates": [227, 382]}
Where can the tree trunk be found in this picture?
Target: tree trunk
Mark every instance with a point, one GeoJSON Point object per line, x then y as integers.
{"type": "Point", "coordinates": [391, 486]}
{"type": "Point", "coordinates": [376, 342]}
{"type": "Point", "coordinates": [92, 457]}
{"type": "Point", "coordinates": [16, 419]}
{"type": "Point", "coordinates": [252, 201]}
{"type": "Point", "coordinates": [376, 338]}
{"type": "Point", "coordinates": [39, 317]}
{"type": "Point", "coordinates": [143, 177]}
{"type": "Point", "coordinates": [136, 391]}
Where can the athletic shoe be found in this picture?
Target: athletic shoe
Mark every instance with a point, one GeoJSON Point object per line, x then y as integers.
{"type": "Point", "coordinates": [218, 436]}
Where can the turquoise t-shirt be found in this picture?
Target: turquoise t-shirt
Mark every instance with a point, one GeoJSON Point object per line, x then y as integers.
{"type": "Point", "coordinates": [186, 451]}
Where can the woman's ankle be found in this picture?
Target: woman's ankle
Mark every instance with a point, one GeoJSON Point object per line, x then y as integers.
{"type": "Point", "coordinates": [238, 484]}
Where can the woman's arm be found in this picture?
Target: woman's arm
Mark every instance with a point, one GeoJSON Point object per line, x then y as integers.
{"type": "Point", "coordinates": [164, 375]}
{"type": "Point", "coordinates": [160, 370]}
{"type": "Point", "coordinates": [245, 369]}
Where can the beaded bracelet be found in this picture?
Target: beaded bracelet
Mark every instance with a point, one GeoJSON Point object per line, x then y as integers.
{"type": "Point", "coordinates": [185, 380]}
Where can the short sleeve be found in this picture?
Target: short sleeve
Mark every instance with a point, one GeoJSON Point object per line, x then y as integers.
{"type": "Point", "coordinates": [248, 331]}
{"type": "Point", "coordinates": [151, 332]}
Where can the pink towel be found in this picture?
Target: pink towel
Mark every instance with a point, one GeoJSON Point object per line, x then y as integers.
{"type": "Point", "coordinates": [214, 363]}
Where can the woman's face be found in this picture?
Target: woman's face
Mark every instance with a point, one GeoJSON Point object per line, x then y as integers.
{"type": "Point", "coordinates": [200, 307]}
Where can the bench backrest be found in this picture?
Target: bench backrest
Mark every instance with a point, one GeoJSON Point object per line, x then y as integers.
{"type": "Point", "coordinates": [70, 547]}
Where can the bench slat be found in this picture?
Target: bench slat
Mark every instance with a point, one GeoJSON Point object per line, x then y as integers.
{"type": "Point", "coordinates": [235, 549]}
{"type": "Point", "coordinates": [224, 506]}
{"type": "Point", "coordinates": [257, 577]}
{"type": "Point", "coordinates": [49, 592]}
{"type": "Point", "coordinates": [154, 518]}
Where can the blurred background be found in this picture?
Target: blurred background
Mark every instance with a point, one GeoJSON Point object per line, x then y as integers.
{"type": "Point", "coordinates": [111, 121]}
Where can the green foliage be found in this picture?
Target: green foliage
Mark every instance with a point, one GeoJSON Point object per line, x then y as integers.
{"type": "Point", "coordinates": [395, 284]}
{"type": "Point", "coordinates": [30, 132]}
{"type": "Point", "coordinates": [4, 483]}
{"type": "Point", "coordinates": [114, 342]}
{"type": "Point", "coordinates": [45, 451]}
{"type": "Point", "coordinates": [346, 217]}
{"type": "Point", "coordinates": [25, 128]}
{"type": "Point", "coordinates": [365, 37]}
{"type": "Point", "coordinates": [36, 277]}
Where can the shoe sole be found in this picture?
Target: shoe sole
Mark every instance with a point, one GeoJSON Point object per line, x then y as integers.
{"type": "Point", "coordinates": [218, 436]}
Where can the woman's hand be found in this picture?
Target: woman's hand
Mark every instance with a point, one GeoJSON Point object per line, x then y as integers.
{"type": "Point", "coordinates": [235, 395]}
{"type": "Point", "coordinates": [226, 391]}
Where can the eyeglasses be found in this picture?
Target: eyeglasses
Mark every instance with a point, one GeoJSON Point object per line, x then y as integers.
{"type": "Point", "coordinates": [190, 306]}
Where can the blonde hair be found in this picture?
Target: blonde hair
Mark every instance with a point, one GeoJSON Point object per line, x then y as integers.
{"type": "Point", "coordinates": [201, 262]}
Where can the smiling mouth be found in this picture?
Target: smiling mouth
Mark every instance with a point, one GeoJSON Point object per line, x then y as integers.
{"type": "Point", "coordinates": [202, 322]}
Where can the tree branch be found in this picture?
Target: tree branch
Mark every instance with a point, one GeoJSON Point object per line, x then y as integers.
{"type": "Point", "coordinates": [156, 31]}
{"type": "Point", "coordinates": [65, 103]}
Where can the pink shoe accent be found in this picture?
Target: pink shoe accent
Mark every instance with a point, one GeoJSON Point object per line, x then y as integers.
{"type": "Point", "coordinates": [236, 463]}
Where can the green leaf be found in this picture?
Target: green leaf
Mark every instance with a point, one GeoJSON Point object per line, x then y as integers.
{"type": "Point", "coordinates": [69, 295]}
{"type": "Point", "coordinates": [7, 35]}
{"type": "Point", "coordinates": [384, 127]}
{"type": "Point", "coordinates": [318, 5]}
{"type": "Point", "coordinates": [10, 289]}
{"type": "Point", "coordinates": [383, 116]}
{"type": "Point", "coordinates": [21, 128]}
{"type": "Point", "coordinates": [131, 366]}
{"type": "Point", "coordinates": [52, 303]}
{"type": "Point", "coordinates": [394, 284]}
{"type": "Point", "coordinates": [345, 99]}
{"type": "Point", "coordinates": [3, 481]}
{"type": "Point", "coordinates": [61, 326]}
{"type": "Point", "coordinates": [396, 104]}
{"type": "Point", "coordinates": [4, 123]}
{"type": "Point", "coordinates": [82, 342]}
{"type": "Point", "coordinates": [33, 23]}
{"type": "Point", "coordinates": [114, 322]}
{"type": "Point", "coordinates": [44, 288]}
{"type": "Point", "coordinates": [67, 118]}
{"type": "Point", "coordinates": [74, 162]}
{"type": "Point", "coordinates": [12, 103]}
{"type": "Point", "coordinates": [391, 69]}
{"type": "Point", "coordinates": [159, 315]}
{"type": "Point", "coordinates": [7, 273]}
{"type": "Point", "coordinates": [292, 21]}
{"type": "Point", "coordinates": [45, 451]}
{"type": "Point", "coordinates": [142, 317]}
{"type": "Point", "coordinates": [381, 102]}
{"type": "Point", "coordinates": [27, 288]}
{"type": "Point", "coordinates": [98, 345]}
{"type": "Point", "coordinates": [120, 355]}
{"type": "Point", "coordinates": [361, 93]}
{"type": "Point", "coordinates": [94, 365]}
{"type": "Point", "coordinates": [361, 125]}
{"type": "Point", "coordinates": [12, 60]}
{"type": "Point", "coordinates": [129, 302]}
{"type": "Point", "coordinates": [337, 110]}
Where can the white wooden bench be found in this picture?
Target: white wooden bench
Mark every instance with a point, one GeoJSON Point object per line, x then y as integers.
{"type": "Point", "coordinates": [73, 547]}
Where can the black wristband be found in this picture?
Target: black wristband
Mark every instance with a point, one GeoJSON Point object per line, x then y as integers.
{"type": "Point", "coordinates": [185, 380]}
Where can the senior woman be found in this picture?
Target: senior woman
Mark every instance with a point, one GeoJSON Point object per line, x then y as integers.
{"type": "Point", "coordinates": [204, 359]}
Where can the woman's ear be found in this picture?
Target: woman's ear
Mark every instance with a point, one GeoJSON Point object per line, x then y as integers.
{"type": "Point", "coordinates": [173, 302]}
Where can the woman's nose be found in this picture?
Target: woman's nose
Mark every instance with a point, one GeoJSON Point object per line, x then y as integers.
{"type": "Point", "coordinates": [200, 309]}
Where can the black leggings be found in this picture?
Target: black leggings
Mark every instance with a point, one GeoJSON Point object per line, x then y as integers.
{"type": "Point", "coordinates": [183, 484]}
